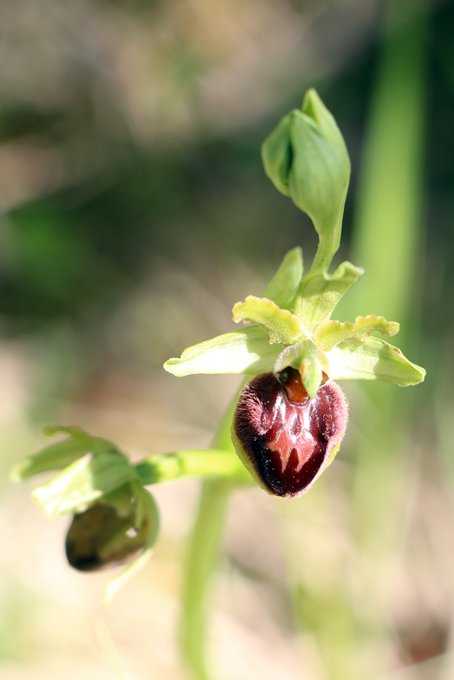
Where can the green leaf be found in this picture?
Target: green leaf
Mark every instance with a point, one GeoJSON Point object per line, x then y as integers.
{"type": "Point", "coordinates": [330, 333]}
{"type": "Point", "coordinates": [83, 482]}
{"type": "Point", "coordinates": [150, 510]}
{"type": "Point", "coordinates": [246, 350]}
{"type": "Point", "coordinates": [320, 292]}
{"type": "Point", "coordinates": [284, 285]}
{"type": "Point", "coordinates": [281, 325]}
{"type": "Point", "coordinates": [373, 359]}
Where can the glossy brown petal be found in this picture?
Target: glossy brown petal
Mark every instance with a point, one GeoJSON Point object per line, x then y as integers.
{"type": "Point", "coordinates": [284, 437]}
{"type": "Point", "coordinates": [100, 538]}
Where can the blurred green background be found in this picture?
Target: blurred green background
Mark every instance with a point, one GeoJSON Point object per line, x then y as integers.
{"type": "Point", "coordinates": [134, 212]}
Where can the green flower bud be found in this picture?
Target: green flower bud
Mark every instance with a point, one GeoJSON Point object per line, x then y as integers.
{"type": "Point", "coordinates": [107, 534]}
{"type": "Point", "coordinates": [306, 158]}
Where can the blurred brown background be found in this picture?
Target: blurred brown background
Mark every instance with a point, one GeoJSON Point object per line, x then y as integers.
{"type": "Point", "coordinates": [134, 212]}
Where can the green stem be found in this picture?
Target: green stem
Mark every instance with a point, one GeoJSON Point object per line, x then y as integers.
{"type": "Point", "coordinates": [193, 463]}
{"type": "Point", "coordinates": [324, 255]}
{"type": "Point", "coordinates": [386, 242]}
{"type": "Point", "coordinates": [203, 558]}
{"type": "Point", "coordinates": [200, 569]}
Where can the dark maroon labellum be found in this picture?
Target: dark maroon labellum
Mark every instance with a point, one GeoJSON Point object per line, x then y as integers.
{"type": "Point", "coordinates": [284, 437]}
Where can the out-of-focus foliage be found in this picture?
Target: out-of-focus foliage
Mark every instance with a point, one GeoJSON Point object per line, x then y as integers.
{"type": "Point", "coordinates": [131, 188]}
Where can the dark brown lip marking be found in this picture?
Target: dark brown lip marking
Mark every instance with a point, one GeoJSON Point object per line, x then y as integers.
{"type": "Point", "coordinates": [285, 436]}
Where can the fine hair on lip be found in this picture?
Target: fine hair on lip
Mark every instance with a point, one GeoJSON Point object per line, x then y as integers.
{"type": "Point", "coordinates": [284, 437]}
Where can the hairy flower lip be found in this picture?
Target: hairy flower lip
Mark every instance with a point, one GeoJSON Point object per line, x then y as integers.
{"type": "Point", "coordinates": [286, 443]}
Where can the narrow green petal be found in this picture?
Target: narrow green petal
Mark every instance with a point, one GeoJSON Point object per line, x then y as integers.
{"type": "Point", "coordinates": [151, 510]}
{"type": "Point", "coordinates": [320, 292]}
{"type": "Point", "coordinates": [246, 350]}
{"type": "Point", "coordinates": [83, 482]}
{"type": "Point", "coordinates": [281, 325]}
{"type": "Point", "coordinates": [284, 285]}
{"type": "Point", "coordinates": [373, 359]}
{"type": "Point", "coordinates": [330, 333]}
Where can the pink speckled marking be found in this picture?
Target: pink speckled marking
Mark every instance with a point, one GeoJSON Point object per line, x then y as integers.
{"type": "Point", "coordinates": [286, 436]}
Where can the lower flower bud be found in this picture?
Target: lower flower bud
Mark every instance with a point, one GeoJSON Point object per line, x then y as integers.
{"type": "Point", "coordinates": [284, 437]}
{"type": "Point", "coordinates": [99, 538]}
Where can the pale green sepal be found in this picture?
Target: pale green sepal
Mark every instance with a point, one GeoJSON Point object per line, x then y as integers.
{"type": "Point", "coordinates": [246, 351]}
{"type": "Point", "coordinates": [54, 457]}
{"type": "Point", "coordinates": [83, 482]}
{"type": "Point", "coordinates": [60, 455]}
{"type": "Point", "coordinates": [325, 122]}
{"type": "Point", "coordinates": [277, 155]}
{"type": "Point", "coordinates": [281, 325]}
{"type": "Point", "coordinates": [373, 359]}
{"type": "Point", "coordinates": [149, 508]}
{"type": "Point", "coordinates": [320, 292]}
{"type": "Point", "coordinates": [330, 333]}
{"type": "Point", "coordinates": [320, 170]}
{"type": "Point", "coordinates": [93, 444]}
{"type": "Point", "coordinates": [284, 285]}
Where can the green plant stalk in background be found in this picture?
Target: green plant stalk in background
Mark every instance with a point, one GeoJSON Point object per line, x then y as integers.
{"type": "Point", "coordinates": [386, 242]}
